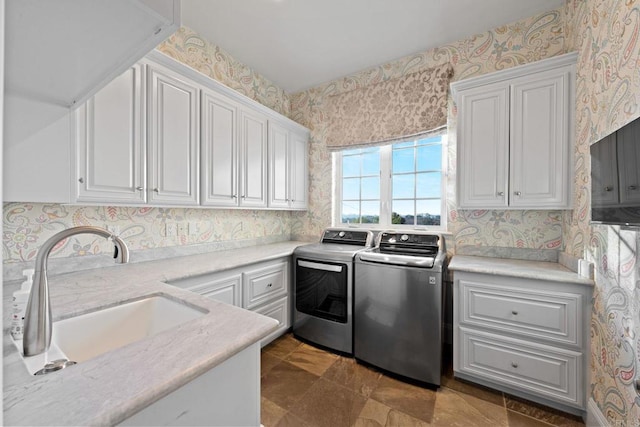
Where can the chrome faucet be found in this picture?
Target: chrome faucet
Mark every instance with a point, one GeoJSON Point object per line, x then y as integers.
{"type": "Point", "coordinates": [37, 319]}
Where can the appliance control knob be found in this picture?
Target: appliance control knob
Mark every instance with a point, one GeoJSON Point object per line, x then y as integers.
{"type": "Point", "coordinates": [341, 234]}
{"type": "Point", "coordinates": [404, 237]}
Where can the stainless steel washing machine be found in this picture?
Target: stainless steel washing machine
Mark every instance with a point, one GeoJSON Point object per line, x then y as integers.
{"type": "Point", "coordinates": [323, 288]}
{"type": "Point", "coordinates": [398, 305]}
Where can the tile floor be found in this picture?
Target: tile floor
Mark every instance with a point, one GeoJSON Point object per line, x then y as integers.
{"type": "Point", "coordinates": [305, 386]}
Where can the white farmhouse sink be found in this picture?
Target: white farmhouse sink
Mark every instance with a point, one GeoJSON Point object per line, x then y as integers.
{"type": "Point", "coordinates": [84, 337]}
{"type": "Point", "coordinates": [89, 335]}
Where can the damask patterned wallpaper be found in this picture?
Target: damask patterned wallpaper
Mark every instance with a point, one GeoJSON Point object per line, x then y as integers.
{"type": "Point", "coordinates": [605, 33]}
{"type": "Point", "coordinates": [525, 41]}
{"type": "Point", "coordinates": [27, 226]}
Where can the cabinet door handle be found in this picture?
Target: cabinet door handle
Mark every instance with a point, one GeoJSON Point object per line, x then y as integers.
{"type": "Point", "coordinates": [244, 197]}
{"type": "Point", "coordinates": [500, 193]}
{"type": "Point", "coordinates": [517, 193]}
{"type": "Point", "coordinates": [515, 313]}
{"type": "Point", "coordinates": [235, 196]}
{"type": "Point", "coordinates": [81, 180]}
{"type": "Point", "coordinates": [632, 187]}
{"type": "Point", "coordinates": [139, 188]}
{"type": "Point", "coordinates": [514, 365]}
{"type": "Point", "coordinates": [156, 190]}
{"type": "Point", "coordinates": [608, 188]}
{"type": "Point", "coordinates": [269, 285]}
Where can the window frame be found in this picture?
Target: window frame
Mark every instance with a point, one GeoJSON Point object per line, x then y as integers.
{"type": "Point", "coordinates": [386, 198]}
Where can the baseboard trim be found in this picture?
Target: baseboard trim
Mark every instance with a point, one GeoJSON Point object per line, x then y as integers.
{"type": "Point", "coordinates": [595, 417]}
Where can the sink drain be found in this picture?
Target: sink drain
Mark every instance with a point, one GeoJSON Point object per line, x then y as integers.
{"type": "Point", "coordinates": [55, 365]}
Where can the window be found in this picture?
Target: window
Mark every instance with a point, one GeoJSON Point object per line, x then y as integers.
{"type": "Point", "coordinates": [396, 185]}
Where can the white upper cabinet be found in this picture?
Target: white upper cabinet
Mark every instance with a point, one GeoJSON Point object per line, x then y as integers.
{"type": "Point", "coordinates": [278, 166]}
{"type": "Point", "coordinates": [288, 165]}
{"type": "Point", "coordinates": [173, 132]}
{"type": "Point", "coordinates": [219, 150]}
{"type": "Point", "coordinates": [484, 156]}
{"type": "Point", "coordinates": [299, 170]}
{"type": "Point", "coordinates": [515, 129]}
{"type": "Point", "coordinates": [253, 155]}
{"type": "Point", "coordinates": [163, 134]}
{"type": "Point", "coordinates": [111, 145]}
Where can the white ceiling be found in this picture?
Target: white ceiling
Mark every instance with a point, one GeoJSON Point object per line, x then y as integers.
{"type": "Point", "coordinates": [298, 44]}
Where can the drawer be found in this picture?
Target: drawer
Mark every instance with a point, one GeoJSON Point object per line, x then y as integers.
{"type": "Point", "coordinates": [264, 284]}
{"type": "Point", "coordinates": [547, 371]}
{"type": "Point", "coordinates": [548, 315]}
{"type": "Point", "coordinates": [278, 310]}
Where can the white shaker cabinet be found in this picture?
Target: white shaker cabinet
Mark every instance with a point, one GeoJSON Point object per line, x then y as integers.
{"type": "Point", "coordinates": [288, 168]}
{"type": "Point", "coordinates": [111, 142]}
{"type": "Point", "coordinates": [138, 140]}
{"type": "Point", "coordinates": [219, 150]}
{"type": "Point", "coordinates": [253, 159]}
{"type": "Point", "coordinates": [173, 134]}
{"type": "Point", "coordinates": [264, 287]}
{"type": "Point", "coordinates": [515, 132]}
{"type": "Point", "coordinates": [524, 336]}
{"type": "Point", "coordinates": [234, 153]}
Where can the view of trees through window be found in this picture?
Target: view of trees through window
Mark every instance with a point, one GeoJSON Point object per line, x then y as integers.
{"type": "Point", "coordinates": [399, 184]}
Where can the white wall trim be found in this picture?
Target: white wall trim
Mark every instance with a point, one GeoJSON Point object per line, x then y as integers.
{"type": "Point", "coordinates": [595, 418]}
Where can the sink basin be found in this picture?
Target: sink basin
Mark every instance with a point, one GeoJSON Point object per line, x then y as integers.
{"type": "Point", "coordinates": [86, 336]}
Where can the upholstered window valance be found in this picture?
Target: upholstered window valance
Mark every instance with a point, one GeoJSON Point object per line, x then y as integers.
{"type": "Point", "coordinates": [413, 104]}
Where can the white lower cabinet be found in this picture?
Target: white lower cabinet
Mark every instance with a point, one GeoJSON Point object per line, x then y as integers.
{"type": "Point", "coordinates": [524, 336]}
{"type": "Point", "coordinates": [263, 287]}
{"type": "Point", "coordinates": [227, 395]}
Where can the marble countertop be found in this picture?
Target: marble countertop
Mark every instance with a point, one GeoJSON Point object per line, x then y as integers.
{"type": "Point", "coordinates": [113, 386]}
{"type": "Point", "coordinates": [541, 270]}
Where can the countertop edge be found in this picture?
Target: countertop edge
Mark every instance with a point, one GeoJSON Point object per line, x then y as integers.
{"type": "Point", "coordinates": [526, 269]}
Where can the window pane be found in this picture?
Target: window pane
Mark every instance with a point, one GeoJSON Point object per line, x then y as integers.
{"type": "Point", "coordinates": [429, 158]}
{"type": "Point", "coordinates": [371, 163]}
{"type": "Point", "coordinates": [371, 188]}
{"type": "Point", "coordinates": [428, 212]}
{"type": "Point", "coordinates": [371, 212]}
{"type": "Point", "coordinates": [403, 160]}
{"type": "Point", "coordinates": [428, 185]}
{"type": "Point", "coordinates": [351, 189]}
{"type": "Point", "coordinates": [403, 186]}
{"type": "Point", "coordinates": [350, 166]}
{"type": "Point", "coordinates": [402, 212]}
{"type": "Point", "coordinates": [350, 212]}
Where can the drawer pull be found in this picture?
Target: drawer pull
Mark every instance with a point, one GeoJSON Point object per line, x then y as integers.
{"type": "Point", "coordinates": [269, 285]}
{"type": "Point", "coordinates": [514, 364]}
{"type": "Point", "coordinates": [515, 313]}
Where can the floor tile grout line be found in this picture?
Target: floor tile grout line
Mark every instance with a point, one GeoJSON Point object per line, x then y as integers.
{"type": "Point", "coordinates": [529, 416]}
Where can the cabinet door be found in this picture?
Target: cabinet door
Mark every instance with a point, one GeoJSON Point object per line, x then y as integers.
{"type": "Point", "coordinates": [219, 151]}
{"type": "Point", "coordinates": [225, 289]}
{"type": "Point", "coordinates": [278, 166]}
{"type": "Point", "coordinates": [110, 138]}
{"type": "Point", "coordinates": [253, 148]}
{"type": "Point", "coordinates": [298, 164]}
{"type": "Point", "coordinates": [483, 133]}
{"type": "Point", "coordinates": [539, 141]}
{"type": "Point", "coordinates": [604, 173]}
{"type": "Point", "coordinates": [173, 138]}
{"type": "Point", "coordinates": [628, 160]}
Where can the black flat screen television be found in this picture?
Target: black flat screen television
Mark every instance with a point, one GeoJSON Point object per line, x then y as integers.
{"type": "Point", "coordinates": [615, 177]}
